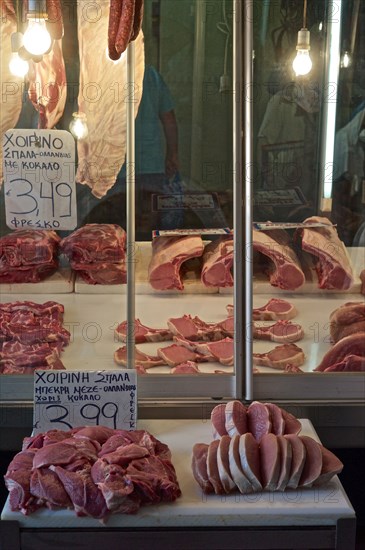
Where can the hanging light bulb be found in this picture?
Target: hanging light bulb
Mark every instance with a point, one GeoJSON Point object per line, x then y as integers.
{"type": "Point", "coordinates": [302, 63]}
{"type": "Point", "coordinates": [18, 66]}
{"type": "Point", "coordinates": [346, 60]}
{"type": "Point", "coordinates": [78, 126]}
{"type": "Point", "coordinates": [37, 39]}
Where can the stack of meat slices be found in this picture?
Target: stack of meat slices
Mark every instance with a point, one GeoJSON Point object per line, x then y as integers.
{"type": "Point", "coordinates": [96, 471]}
{"type": "Point", "coordinates": [32, 336]}
{"type": "Point", "coordinates": [347, 330]}
{"type": "Point", "coordinates": [273, 457]}
{"type": "Point", "coordinates": [97, 253]}
{"type": "Point", "coordinates": [28, 256]}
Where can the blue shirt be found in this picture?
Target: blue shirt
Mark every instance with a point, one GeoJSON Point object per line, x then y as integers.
{"type": "Point", "coordinates": [150, 141]}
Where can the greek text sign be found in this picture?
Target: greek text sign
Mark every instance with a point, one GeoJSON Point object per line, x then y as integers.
{"type": "Point", "coordinates": [39, 176]}
{"type": "Point", "coordinates": [67, 399]}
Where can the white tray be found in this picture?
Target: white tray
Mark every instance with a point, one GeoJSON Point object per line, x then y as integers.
{"type": "Point", "coordinates": [61, 282]}
{"type": "Point", "coordinates": [319, 506]}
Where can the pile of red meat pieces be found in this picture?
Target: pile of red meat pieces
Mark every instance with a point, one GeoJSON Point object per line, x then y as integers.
{"type": "Point", "coordinates": [32, 336]}
{"type": "Point", "coordinates": [96, 471]}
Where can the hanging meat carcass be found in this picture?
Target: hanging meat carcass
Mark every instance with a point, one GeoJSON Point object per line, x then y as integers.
{"type": "Point", "coordinates": [103, 98]}
{"type": "Point", "coordinates": [11, 86]}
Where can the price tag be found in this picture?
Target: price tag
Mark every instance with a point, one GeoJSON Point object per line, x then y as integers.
{"type": "Point", "coordinates": [184, 232]}
{"type": "Point", "coordinates": [67, 399]}
{"type": "Point", "coordinates": [39, 176]}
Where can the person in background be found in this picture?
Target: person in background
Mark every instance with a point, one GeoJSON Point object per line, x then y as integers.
{"type": "Point", "coordinates": [156, 160]}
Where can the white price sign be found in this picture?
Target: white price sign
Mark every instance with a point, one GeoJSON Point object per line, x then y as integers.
{"type": "Point", "coordinates": [39, 176]}
{"type": "Point", "coordinates": [67, 399]}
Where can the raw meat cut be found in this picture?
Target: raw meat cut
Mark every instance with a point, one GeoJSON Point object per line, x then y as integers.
{"type": "Point", "coordinates": [313, 462]}
{"type": "Point", "coordinates": [141, 359]}
{"type": "Point", "coordinates": [259, 422]}
{"type": "Point", "coordinates": [175, 355]}
{"type": "Point", "coordinates": [270, 461]}
{"type": "Point", "coordinates": [218, 420]}
{"type": "Point", "coordinates": [12, 86]}
{"type": "Point", "coordinates": [281, 331]}
{"type": "Point", "coordinates": [236, 418]}
{"type": "Point", "coordinates": [292, 424]}
{"type": "Point", "coordinates": [298, 460]}
{"type": "Point", "coordinates": [333, 266]}
{"type": "Point", "coordinates": [130, 469]}
{"type": "Point", "coordinates": [217, 263]}
{"type": "Point", "coordinates": [280, 356]}
{"type": "Point", "coordinates": [48, 86]}
{"type": "Point", "coordinates": [222, 350]}
{"type": "Point", "coordinates": [351, 345]}
{"type": "Point", "coordinates": [331, 466]}
{"type": "Point", "coordinates": [193, 328]}
{"type": "Point", "coordinates": [97, 253]}
{"type": "Point", "coordinates": [142, 333]}
{"type": "Point", "coordinates": [168, 254]}
{"type": "Point", "coordinates": [275, 309]}
{"type": "Point", "coordinates": [199, 467]}
{"type": "Point", "coordinates": [212, 468]}
{"type": "Point", "coordinates": [189, 367]}
{"type": "Point", "coordinates": [223, 464]}
{"type": "Point", "coordinates": [285, 463]}
{"type": "Point", "coordinates": [347, 319]}
{"type": "Point", "coordinates": [250, 460]}
{"type": "Point", "coordinates": [292, 369]}
{"type": "Point", "coordinates": [276, 419]}
{"type": "Point", "coordinates": [103, 96]}
{"type": "Point", "coordinates": [350, 363]}
{"type": "Point", "coordinates": [28, 256]}
{"type": "Point", "coordinates": [286, 272]}
{"type": "Point", "coordinates": [235, 466]}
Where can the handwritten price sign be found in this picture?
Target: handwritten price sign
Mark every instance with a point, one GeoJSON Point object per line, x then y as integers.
{"type": "Point", "coordinates": [39, 175]}
{"type": "Point", "coordinates": [67, 399]}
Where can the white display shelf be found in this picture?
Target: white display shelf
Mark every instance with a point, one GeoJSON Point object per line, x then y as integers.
{"type": "Point", "coordinates": [60, 282]}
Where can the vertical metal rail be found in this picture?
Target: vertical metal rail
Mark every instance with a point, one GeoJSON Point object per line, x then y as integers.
{"type": "Point", "coordinates": [248, 184]}
{"type": "Point", "coordinates": [130, 210]}
{"type": "Point", "coordinates": [238, 201]}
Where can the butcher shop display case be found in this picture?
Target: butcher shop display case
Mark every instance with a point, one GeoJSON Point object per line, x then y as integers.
{"type": "Point", "coordinates": [208, 227]}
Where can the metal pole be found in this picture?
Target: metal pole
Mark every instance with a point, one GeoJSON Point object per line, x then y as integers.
{"type": "Point", "coordinates": [248, 196]}
{"type": "Point", "coordinates": [238, 199]}
{"type": "Point", "coordinates": [130, 211]}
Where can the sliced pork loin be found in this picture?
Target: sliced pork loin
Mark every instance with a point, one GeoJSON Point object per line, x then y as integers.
{"type": "Point", "coordinates": [286, 456]}
{"type": "Point", "coordinates": [223, 464]}
{"type": "Point", "coordinates": [217, 263]}
{"type": "Point", "coordinates": [299, 454]}
{"type": "Point", "coordinates": [275, 309]}
{"type": "Point", "coordinates": [333, 266]}
{"type": "Point", "coordinates": [280, 356]}
{"type": "Point", "coordinates": [193, 328]}
{"type": "Point", "coordinates": [350, 345]}
{"type": "Point", "coordinates": [282, 331]}
{"type": "Point", "coordinates": [218, 420]}
{"type": "Point", "coordinates": [285, 270]}
{"type": "Point", "coordinates": [189, 367]}
{"type": "Point", "coordinates": [175, 355]}
{"type": "Point", "coordinates": [236, 418]}
{"type": "Point", "coordinates": [141, 359]}
{"type": "Point", "coordinates": [199, 467]}
{"type": "Point", "coordinates": [168, 255]}
{"type": "Point", "coordinates": [269, 461]}
{"type": "Point", "coordinates": [222, 350]}
{"type": "Point", "coordinates": [313, 462]}
{"type": "Point", "coordinates": [276, 419]}
{"type": "Point", "coordinates": [259, 421]}
{"type": "Point", "coordinates": [250, 460]}
{"type": "Point", "coordinates": [235, 466]}
{"type": "Point", "coordinates": [212, 468]}
{"type": "Point", "coordinates": [292, 424]}
{"type": "Point", "coordinates": [142, 333]}
{"type": "Point", "coordinates": [331, 466]}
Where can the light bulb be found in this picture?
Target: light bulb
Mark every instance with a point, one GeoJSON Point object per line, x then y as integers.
{"type": "Point", "coordinates": [18, 66]}
{"type": "Point", "coordinates": [346, 60]}
{"type": "Point", "coordinates": [302, 63]}
{"type": "Point", "coordinates": [78, 126]}
{"type": "Point", "coordinates": [37, 39]}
